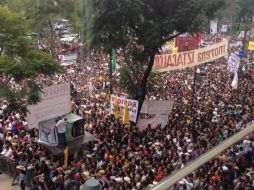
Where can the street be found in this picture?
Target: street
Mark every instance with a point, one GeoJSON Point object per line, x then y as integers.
{"type": "Point", "coordinates": [5, 182]}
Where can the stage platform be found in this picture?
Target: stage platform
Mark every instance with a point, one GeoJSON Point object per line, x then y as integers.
{"type": "Point", "coordinates": [73, 145]}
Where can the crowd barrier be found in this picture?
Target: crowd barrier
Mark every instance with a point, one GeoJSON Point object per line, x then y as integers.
{"type": "Point", "coordinates": [8, 165]}
{"type": "Point", "coordinates": [11, 168]}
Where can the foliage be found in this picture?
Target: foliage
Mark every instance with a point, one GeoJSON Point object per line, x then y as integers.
{"type": "Point", "coordinates": [19, 64]}
{"type": "Point", "coordinates": [236, 10]}
{"type": "Point", "coordinates": [40, 12]}
{"type": "Point", "coordinates": [139, 28]}
{"type": "Point", "coordinates": [247, 10]}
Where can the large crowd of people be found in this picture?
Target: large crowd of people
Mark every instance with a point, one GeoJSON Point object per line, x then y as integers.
{"type": "Point", "coordinates": [122, 157]}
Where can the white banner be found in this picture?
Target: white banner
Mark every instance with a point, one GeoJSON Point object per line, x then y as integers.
{"type": "Point", "coordinates": [132, 107]}
{"type": "Point", "coordinates": [55, 101]}
{"type": "Point", "coordinates": [213, 27]}
{"type": "Point", "coordinates": [182, 60]}
{"type": "Point", "coordinates": [157, 107]}
{"type": "Point", "coordinates": [68, 59]}
{"type": "Point", "coordinates": [233, 63]}
{"type": "Point", "coordinates": [224, 28]}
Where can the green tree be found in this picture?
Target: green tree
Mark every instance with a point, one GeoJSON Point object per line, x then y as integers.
{"type": "Point", "coordinates": [41, 13]}
{"type": "Point", "coordinates": [247, 10]}
{"type": "Point", "coordinates": [139, 28]}
{"type": "Point", "coordinates": [19, 64]}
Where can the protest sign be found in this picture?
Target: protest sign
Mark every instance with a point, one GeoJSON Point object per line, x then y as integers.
{"type": "Point", "coordinates": [48, 135]}
{"type": "Point", "coordinates": [233, 63]}
{"type": "Point", "coordinates": [251, 45]}
{"type": "Point", "coordinates": [55, 101]}
{"type": "Point", "coordinates": [157, 107]}
{"type": "Point", "coordinates": [132, 107]}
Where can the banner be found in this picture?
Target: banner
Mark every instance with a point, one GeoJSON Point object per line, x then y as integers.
{"type": "Point", "coordinates": [155, 121]}
{"type": "Point", "coordinates": [213, 26]}
{"type": "Point", "coordinates": [68, 59]}
{"type": "Point", "coordinates": [182, 60]}
{"type": "Point", "coordinates": [224, 28]}
{"type": "Point", "coordinates": [48, 135]}
{"type": "Point", "coordinates": [157, 107]}
{"type": "Point", "coordinates": [233, 63]}
{"type": "Point", "coordinates": [55, 101]}
{"type": "Point", "coordinates": [251, 45]}
{"type": "Point", "coordinates": [132, 107]}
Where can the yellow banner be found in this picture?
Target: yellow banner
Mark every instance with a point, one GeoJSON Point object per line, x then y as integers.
{"type": "Point", "coordinates": [251, 45]}
{"type": "Point", "coordinates": [182, 60]}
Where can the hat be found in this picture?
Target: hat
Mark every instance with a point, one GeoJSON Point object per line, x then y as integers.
{"type": "Point", "coordinates": [224, 168]}
{"type": "Point", "coordinates": [20, 167]}
{"type": "Point", "coordinates": [86, 173]}
{"type": "Point", "coordinates": [213, 178]}
{"type": "Point", "coordinates": [127, 179]}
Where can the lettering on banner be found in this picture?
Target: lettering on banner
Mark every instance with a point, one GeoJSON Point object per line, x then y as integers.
{"type": "Point", "coordinates": [55, 101]}
{"type": "Point", "coordinates": [54, 90]}
{"type": "Point", "coordinates": [210, 54]}
{"type": "Point", "coordinates": [181, 60]}
{"type": "Point", "coordinates": [173, 60]}
{"type": "Point", "coordinates": [132, 107]}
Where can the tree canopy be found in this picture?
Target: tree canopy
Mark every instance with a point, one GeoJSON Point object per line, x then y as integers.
{"type": "Point", "coordinates": [139, 28]}
{"type": "Point", "coordinates": [19, 64]}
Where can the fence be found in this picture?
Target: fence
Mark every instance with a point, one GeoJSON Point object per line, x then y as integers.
{"type": "Point", "coordinates": [8, 165]}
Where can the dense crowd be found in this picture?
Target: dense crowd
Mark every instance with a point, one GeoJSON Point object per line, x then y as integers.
{"type": "Point", "coordinates": [122, 157]}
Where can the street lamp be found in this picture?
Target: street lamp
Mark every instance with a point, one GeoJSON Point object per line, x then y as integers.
{"type": "Point", "coordinates": [196, 74]}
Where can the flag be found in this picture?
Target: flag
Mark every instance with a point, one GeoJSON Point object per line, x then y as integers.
{"type": "Point", "coordinates": [251, 45]}
{"type": "Point", "coordinates": [113, 61]}
{"type": "Point", "coordinates": [243, 68]}
{"type": "Point", "coordinates": [175, 50]}
{"type": "Point", "coordinates": [125, 113]}
{"type": "Point", "coordinates": [66, 151]}
{"type": "Point", "coordinates": [116, 109]}
{"type": "Point", "coordinates": [235, 81]}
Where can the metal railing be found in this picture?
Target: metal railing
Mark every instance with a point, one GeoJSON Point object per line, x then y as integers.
{"type": "Point", "coordinates": [195, 164]}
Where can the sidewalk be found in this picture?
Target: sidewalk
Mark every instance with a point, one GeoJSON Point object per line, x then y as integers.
{"type": "Point", "coordinates": [6, 181]}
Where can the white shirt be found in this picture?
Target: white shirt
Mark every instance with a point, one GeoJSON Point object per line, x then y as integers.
{"type": "Point", "coordinates": [189, 185]}
{"type": "Point", "coordinates": [60, 126]}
